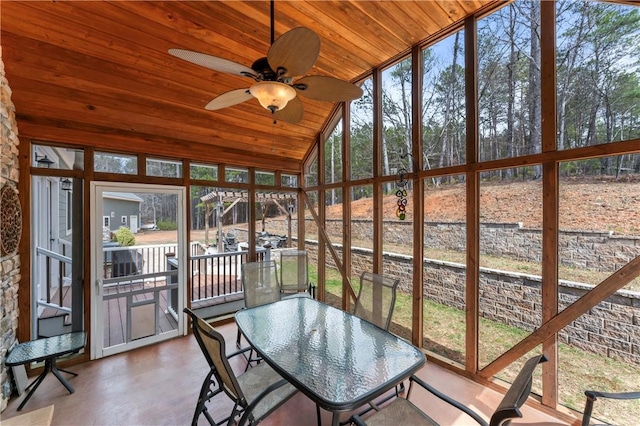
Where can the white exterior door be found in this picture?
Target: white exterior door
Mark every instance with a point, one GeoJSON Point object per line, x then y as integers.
{"type": "Point", "coordinates": [133, 223]}
{"type": "Point", "coordinates": [137, 293]}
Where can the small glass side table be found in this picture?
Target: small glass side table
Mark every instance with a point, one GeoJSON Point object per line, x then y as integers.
{"type": "Point", "coordinates": [47, 350]}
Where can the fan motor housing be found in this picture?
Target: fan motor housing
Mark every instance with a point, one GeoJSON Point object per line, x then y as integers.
{"type": "Point", "coordinates": [263, 69]}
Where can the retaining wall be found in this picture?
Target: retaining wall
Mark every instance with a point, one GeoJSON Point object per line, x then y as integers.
{"type": "Point", "coordinates": [611, 329]}
{"type": "Point", "coordinates": [601, 251]}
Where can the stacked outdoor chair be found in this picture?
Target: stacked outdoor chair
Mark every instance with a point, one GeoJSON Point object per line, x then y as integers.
{"type": "Point", "coordinates": [401, 411]}
{"type": "Point", "coordinates": [255, 393]}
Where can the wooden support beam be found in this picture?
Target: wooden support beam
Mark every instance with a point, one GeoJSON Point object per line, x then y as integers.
{"type": "Point", "coordinates": [472, 293]}
{"type": "Point", "coordinates": [346, 202]}
{"type": "Point", "coordinates": [606, 288]}
{"type": "Point", "coordinates": [378, 215]}
{"type": "Point", "coordinates": [550, 200]}
{"type": "Point", "coordinates": [231, 206]}
{"type": "Point", "coordinates": [417, 317]}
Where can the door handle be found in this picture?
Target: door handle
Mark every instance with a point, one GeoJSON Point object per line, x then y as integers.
{"type": "Point", "coordinates": [99, 287]}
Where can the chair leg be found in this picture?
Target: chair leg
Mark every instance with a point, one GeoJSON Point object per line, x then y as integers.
{"type": "Point", "coordinates": [205, 395]}
{"type": "Point", "coordinates": [238, 339]}
{"type": "Point", "coordinates": [318, 415]}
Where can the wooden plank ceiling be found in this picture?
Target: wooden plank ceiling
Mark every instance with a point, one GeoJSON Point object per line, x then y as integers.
{"type": "Point", "coordinates": [98, 73]}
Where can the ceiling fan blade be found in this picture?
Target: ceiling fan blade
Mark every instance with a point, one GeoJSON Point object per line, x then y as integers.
{"type": "Point", "coordinates": [323, 88]}
{"type": "Point", "coordinates": [213, 62]}
{"type": "Point", "coordinates": [296, 51]}
{"type": "Point", "coordinates": [292, 113]}
{"type": "Point", "coordinates": [228, 99]}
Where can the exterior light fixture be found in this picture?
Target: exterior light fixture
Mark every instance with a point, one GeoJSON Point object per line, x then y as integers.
{"type": "Point", "coordinates": [272, 95]}
{"type": "Point", "coordinates": [43, 161]}
{"type": "Point", "coordinates": [65, 184]}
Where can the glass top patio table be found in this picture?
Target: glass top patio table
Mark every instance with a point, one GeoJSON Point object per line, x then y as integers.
{"type": "Point", "coordinates": [47, 349]}
{"type": "Point", "coordinates": [338, 360]}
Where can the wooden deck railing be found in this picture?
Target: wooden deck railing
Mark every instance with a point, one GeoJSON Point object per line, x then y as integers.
{"type": "Point", "coordinates": [213, 275]}
{"type": "Point", "coordinates": [56, 268]}
{"type": "Point", "coordinates": [219, 274]}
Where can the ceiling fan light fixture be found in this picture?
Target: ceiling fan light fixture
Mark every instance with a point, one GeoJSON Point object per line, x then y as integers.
{"type": "Point", "coordinates": [272, 95]}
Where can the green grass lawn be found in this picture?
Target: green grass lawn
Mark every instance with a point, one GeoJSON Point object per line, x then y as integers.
{"type": "Point", "coordinates": [578, 370]}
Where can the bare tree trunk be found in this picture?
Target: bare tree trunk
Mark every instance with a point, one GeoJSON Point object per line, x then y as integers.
{"type": "Point", "coordinates": [511, 76]}
{"type": "Point", "coordinates": [385, 161]}
{"type": "Point", "coordinates": [535, 114]}
{"type": "Point", "coordinates": [563, 89]}
{"type": "Point", "coordinates": [446, 146]}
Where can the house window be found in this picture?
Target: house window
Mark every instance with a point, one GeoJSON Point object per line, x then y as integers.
{"type": "Point", "coordinates": [123, 220]}
{"type": "Point", "coordinates": [106, 221]}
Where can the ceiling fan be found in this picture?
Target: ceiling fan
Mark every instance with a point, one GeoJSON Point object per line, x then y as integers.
{"type": "Point", "coordinates": [276, 84]}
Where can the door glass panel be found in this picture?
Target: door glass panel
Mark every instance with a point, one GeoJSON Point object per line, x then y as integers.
{"type": "Point", "coordinates": [140, 275]}
{"type": "Point", "coordinates": [54, 234]}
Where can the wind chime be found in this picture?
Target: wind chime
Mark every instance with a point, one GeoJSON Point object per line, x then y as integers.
{"type": "Point", "coordinates": [401, 193]}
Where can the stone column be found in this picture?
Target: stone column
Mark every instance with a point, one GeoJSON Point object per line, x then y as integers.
{"type": "Point", "coordinates": [9, 259]}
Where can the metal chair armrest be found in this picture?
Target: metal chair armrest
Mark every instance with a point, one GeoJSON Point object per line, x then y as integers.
{"type": "Point", "coordinates": [239, 352]}
{"type": "Point", "coordinates": [593, 395]}
{"type": "Point", "coordinates": [611, 395]}
{"type": "Point", "coordinates": [475, 416]}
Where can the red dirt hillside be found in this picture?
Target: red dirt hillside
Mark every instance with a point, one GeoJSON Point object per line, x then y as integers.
{"type": "Point", "coordinates": [601, 204]}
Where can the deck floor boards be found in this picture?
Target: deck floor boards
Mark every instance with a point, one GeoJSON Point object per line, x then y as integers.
{"type": "Point", "coordinates": [115, 310]}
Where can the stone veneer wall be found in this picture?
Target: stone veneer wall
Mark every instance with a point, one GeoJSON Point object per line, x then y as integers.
{"type": "Point", "coordinates": [591, 250]}
{"type": "Point", "coordinates": [610, 329]}
{"type": "Point", "coordinates": [9, 264]}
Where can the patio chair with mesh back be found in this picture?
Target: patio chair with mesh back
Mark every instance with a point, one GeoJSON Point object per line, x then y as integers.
{"type": "Point", "coordinates": [401, 411]}
{"type": "Point", "coordinates": [376, 299]}
{"type": "Point", "coordinates": [592, 396]}
{"type": "Point", "coordinates": [294, 274]}
{"type": "Point", "coordinates": [375, 303]}
{"type": "Point", "coordinates": [256, 392]}
{"type": "Point", "coordinates": [261, 286]}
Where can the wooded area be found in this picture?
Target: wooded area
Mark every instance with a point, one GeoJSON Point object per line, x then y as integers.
{"type": "Point", "coordinates": [598, 91]}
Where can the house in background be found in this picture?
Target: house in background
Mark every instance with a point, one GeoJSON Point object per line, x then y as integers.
{"type": "Point", "coordinates": [121, 209]}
